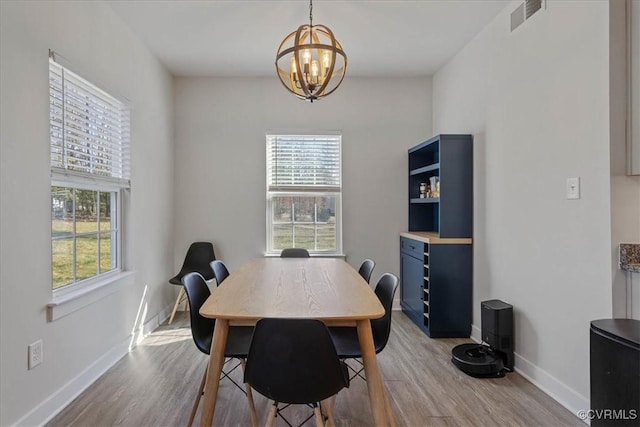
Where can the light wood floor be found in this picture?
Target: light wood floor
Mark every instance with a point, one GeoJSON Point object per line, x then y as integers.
{"type": "Point", "coordinates": [156, 383]}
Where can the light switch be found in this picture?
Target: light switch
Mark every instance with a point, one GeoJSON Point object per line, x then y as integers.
{"type": "Point", "coordinates": [573, 188]}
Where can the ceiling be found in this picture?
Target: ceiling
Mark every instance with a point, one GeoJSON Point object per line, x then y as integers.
{"type": "Point", "coordinates": [241, 37]}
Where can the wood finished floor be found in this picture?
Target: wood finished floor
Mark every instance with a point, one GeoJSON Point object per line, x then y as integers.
{"type": "Point", "coordinates": [156, 383]}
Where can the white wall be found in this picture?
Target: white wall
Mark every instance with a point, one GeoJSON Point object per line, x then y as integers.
{"type": "Point", "coordinates": [625, 190]}
{"type": "Point", "coordinates": [537, 102]}
{"type": "Point", "coordinates": [220, 160]}
{"type": "Point", "coordinates": [79, 346]}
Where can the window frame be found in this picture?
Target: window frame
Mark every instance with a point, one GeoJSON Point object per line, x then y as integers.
{"type": "Point", "coordinates": [116, 182]}
{"type": "Point", "coordinates": [304, 191]}
{"type": "Point", "coordinates": [60, 181]}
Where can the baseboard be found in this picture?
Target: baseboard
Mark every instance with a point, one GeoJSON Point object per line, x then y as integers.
{"type": "Point", "coordinates": [476, 334]}
{"type": "Point", "coordinates": [560, 392]}
{"type": "Point", "coordinates": [55, 403]}
{"type": "Point", "coordinates": [556, 389]}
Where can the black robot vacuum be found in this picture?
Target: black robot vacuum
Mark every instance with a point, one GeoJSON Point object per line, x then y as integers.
{"type": "Point", "coordinates": [493, 359]}
{"type": "Point", "coordinates": [478, 360]}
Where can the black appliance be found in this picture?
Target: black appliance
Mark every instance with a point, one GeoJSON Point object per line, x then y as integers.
{"type": "Point", "coordinates": [495, 357]}
{"type": "Point", "coordinates": [615, 372]}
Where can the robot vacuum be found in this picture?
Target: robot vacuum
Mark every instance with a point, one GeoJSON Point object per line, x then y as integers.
{"type": "Point", "coordinates": [478, 360]}
{"type": "Point", "coordinates": [493, 359]}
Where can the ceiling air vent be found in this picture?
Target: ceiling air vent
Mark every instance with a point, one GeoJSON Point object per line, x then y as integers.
{"type": "Point", "coordinates": [524, 12]}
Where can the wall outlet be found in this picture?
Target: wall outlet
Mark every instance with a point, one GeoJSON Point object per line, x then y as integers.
{"type": "Point", "coordinates": [573, 188]}
{"type": "Point", "coordinates": [35, 354]}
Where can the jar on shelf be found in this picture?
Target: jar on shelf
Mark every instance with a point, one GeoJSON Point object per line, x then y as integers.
{"type": "Point", "coordinates": [423, 190]}
{"type": "Point", "coordinates": [434, 185]}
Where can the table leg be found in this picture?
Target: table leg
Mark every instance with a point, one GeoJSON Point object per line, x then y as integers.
{"type": "Point", "coordinates": [375, 387]}
{"type": "Point", "coordinates": [216, 360]}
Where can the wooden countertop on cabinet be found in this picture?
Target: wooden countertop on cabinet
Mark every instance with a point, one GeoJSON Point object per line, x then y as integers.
{"type": "Point", "coordinates": [434, 238]}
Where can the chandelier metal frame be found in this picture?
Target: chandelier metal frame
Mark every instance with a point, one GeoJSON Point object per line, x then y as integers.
{"type": "Point", "coordinates": [311, 73]}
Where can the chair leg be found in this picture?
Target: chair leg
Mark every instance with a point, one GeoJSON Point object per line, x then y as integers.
{"type": "Point", "coordinates": [318, 414]}
{"type": "Point", "coordinates": [197, 402]}
{"type": "Point", "coordinates": [181, 294]}
{"type": "Point", "coordinates": [326, 407]}
{"type": "Point", "coordinates": [252, 406]}
{"type": "Point", "coordinates": [272, 415]}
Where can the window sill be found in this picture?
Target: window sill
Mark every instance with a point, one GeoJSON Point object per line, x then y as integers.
{"type": "Point", "coordinates": [277, 255]}
{"type": "Point", "coordinates": [74, 300]}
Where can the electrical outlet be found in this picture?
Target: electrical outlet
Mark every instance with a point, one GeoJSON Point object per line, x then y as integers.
{"type": "Point", "coordinates": [35, 354]}
{"type": "Point", "coordinates": [573, 188]}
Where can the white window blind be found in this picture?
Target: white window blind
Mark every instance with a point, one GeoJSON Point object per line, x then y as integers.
{"type": "Point", "coordinates": [298, 162]}
{"type": "Point", "coordinates": [89, 129]}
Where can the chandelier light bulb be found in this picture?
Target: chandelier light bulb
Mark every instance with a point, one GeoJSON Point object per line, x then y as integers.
{"type": "Point", "coordinates": [310, 62]}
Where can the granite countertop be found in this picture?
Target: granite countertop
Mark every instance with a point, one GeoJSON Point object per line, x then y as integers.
{"type": "Point", "coordinates": [630, 257]}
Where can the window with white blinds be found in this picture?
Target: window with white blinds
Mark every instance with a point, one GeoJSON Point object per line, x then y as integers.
{"type": "Point", "coordinates": [90, 168]}
{"type": "Point", "coordinates": [303, 161]}
{"type": "Point", "coordinates": [304, 192]}
{"type": "Point", "coordinates": [89, 128]}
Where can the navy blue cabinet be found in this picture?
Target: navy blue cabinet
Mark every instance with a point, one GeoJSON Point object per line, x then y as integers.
{"type": "Point", "coordinates": [448, 209]}
{"type": "Point", "coordinates": [436, 291]}
{"type": "Point", "coordinates": [412, 290]}
{"type": "Point", "coordinates": [436, 253]}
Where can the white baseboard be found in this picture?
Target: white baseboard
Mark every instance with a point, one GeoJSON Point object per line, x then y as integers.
{"type": "Point", "coordinates": [476, 334]}
{"type": "Point", "coordinates": [55, 403]}
{"type": "Point", "coordinates": [556, 389]}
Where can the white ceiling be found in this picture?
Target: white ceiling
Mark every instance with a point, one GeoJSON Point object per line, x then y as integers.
{"type": "Point", "coordinates": [241, 37]}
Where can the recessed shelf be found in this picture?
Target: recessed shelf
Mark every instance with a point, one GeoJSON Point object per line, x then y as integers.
{"type": "Point", "coordinates": [425, 169]}
{"type": "Point", "coordinates": [426, 200]}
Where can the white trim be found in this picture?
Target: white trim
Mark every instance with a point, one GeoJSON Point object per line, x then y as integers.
{"type": "Point", "coordinates": [59, 400]}
{"type": "Point", "coordinates": [556, 389]}
{"type": "Point", "coordinates": [68, 178]}
{"type": "Point", "coordinates": [305, 132]}
{"type": "Point", "coordinates": [66, 303]}
{"type": "Point", "coordinates": [311, 254]}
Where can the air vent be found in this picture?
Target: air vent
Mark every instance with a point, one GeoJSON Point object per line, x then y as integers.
{"type": "Point", "coordinates": [525, 11]}
{"type": "Point", "coordinates": [517, 17]}
{"type": "Point", "coordinates": [532, 7]}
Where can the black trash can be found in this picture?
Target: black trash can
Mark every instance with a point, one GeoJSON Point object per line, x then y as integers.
{"type": "Point", "coordinates": [615, 372]}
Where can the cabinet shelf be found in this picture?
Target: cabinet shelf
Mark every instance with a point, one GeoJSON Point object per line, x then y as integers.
{"type": "Point", "coordinates": [426, 200]}
{"type": "Point", "coordinates": [425, 169]}
{"type": "Point", "coordinates": [450, 159]}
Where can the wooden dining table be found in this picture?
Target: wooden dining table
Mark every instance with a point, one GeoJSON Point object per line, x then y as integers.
{"type": "Point", "coordinates": [327, 289]}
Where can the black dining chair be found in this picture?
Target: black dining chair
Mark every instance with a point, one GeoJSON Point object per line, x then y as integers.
{"type": "Point", "coordinates": [366, 268]}
{"type": "Point", "coordinates": [220, 271]}
{"type": "Point", "coordinates": [197, 259]}
{"type": "Point", "coordinates": [238, 339]}
{"type": "Point", "coordinates": [345, 338]}
{"type": "Point", "coordinates": [294, 361]}
{"type": "Point", "coordinates": [294, 253]}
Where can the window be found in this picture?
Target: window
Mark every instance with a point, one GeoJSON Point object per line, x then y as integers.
{"type": "Point", "coordinates": [304, 189]}
{"type": "Point", "coordinates": [89, 138]}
